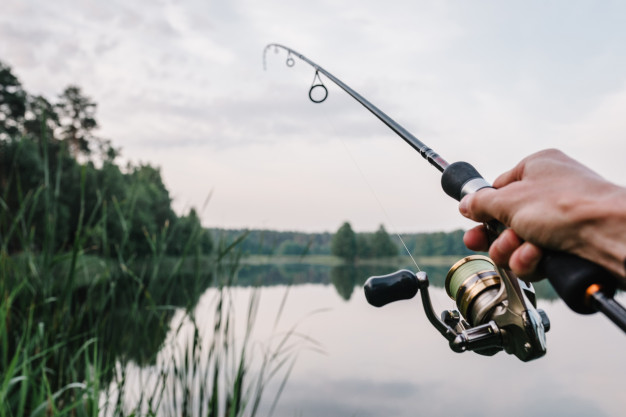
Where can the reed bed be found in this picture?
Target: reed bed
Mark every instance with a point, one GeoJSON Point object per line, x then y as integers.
{"type": "Point", "coordinates": [91, 335]}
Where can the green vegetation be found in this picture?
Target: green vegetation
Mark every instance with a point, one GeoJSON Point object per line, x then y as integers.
{"type": "Point", "coordinates": [270, 242]}
{"type": "Point", "coordinates": [349, 245]}
{"type": "Point", "coordinates": [51, 146]}
{"type": "Point", "coordinates": [94, 264]}
{"type": "Point", "coordinates": [344, 244]}
{"type": "Point", "coordinates": [369, 246]}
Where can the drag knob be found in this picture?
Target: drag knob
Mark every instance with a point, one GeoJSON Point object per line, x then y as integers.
{"type": "Point", "coordinates": [400, 285]}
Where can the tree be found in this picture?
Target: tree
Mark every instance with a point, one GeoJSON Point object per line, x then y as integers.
{"type": "Point", "coordinates": [188, 235]}
{"type": "Point", "coordinates": [344, 243]}
{"type": "Point", "coordinates": [289, 247]}
{"type": "Point", "coordinates": [77, 120]}
{"type": "Point", "coordinates": [49, 195]}
{"type": "Point", "coordinates": [12, 103]}
{"type": "Point", "coordinates": [423, 244]}
{"type": "Point", "coordinates": [364, 248]}
{"type": "Point", "coordinates": [148, 208]}
{"type": "Point", "coordinates": [382, 245]}
{"type": "Point", "coordinates": [41, 119]}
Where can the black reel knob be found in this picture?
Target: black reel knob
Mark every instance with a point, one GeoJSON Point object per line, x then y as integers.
{"type": "Point", "coordinates": [385, 289]}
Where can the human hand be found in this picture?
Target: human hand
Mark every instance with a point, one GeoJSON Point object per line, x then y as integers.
{"type": "Point", "coordinates": [550, 201]}
{"type": "Point", "coordinates": [508, 250]}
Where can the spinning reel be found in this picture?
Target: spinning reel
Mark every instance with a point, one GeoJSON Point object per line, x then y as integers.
{"type": "Point", "coordinates": [496, 310]}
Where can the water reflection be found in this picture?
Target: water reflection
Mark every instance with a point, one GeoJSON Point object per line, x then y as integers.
{"type": "Point", "coordinates": [133, 322]}
{"type": "Point", "coordinates": [387, 361]}
{"type": "Point", "coordinates": [134, 316]}
{"type": "Point", "coordinates": [122, 315]}
{"type": "Point", "coordinates": [345, 278]}
{"type": "Point", "coordinates": [390, 361]}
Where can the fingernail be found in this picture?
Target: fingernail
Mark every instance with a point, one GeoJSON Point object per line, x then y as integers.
{"type": "Point", "coordinates": [464, 206]}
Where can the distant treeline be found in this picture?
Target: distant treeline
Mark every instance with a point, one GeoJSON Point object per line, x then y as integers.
{"type": "Point", "coordinates": [270, 242]}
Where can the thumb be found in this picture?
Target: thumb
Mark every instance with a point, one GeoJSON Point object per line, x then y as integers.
{"type": "Point", "coordinates": [476, 206]}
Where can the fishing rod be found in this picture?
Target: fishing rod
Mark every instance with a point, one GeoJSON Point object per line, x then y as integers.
{"type": "Point", "coordinates": [428, 154]}
{"type": "Point", "coordinates": [496, 310]}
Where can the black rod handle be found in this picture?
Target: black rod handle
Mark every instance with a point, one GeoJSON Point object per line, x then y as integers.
{"type": "Point", "coordinates": [570, 275]}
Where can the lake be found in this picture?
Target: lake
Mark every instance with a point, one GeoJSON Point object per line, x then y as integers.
{"type": "Point", "coordinates": [390, 361]}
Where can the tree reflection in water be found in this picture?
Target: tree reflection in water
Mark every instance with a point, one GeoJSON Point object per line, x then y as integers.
{"type": "Point", "coordinates": [344, 277]}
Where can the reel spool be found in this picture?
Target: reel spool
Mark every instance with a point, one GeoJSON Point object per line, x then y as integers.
{"type": "Point", "coordinates": [473, 283]}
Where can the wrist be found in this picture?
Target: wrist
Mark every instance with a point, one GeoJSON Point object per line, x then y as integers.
{"type": "Point", "coordinates": [603, 229]}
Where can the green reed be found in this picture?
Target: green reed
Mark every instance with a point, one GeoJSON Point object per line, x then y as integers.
{"type": "Point", "coordinates": [89, 335]}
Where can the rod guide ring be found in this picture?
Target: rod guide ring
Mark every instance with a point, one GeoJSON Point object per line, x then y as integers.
{"type": "Point", "coordinates": [313, 87]}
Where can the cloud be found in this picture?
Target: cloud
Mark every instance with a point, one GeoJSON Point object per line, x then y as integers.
{"type": "Point", "coordinates": [486, 83]}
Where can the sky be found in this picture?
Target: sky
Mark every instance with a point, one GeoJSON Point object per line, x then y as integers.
{"type": "Point", "coordinates": [181, 85]}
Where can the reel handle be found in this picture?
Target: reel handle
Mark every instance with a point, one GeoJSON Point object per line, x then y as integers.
{"type": "Point", "coordinates": [570, 275]}
{"type": "Point", "coordinates": [385, 289]}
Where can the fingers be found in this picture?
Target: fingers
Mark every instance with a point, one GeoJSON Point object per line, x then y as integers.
{"type": "Point", "coordinates": [503, 247]}
{"type": "Point", "coordinates": [476, 239]}
{"type": "Point", "coordinates": [490, 203]}
{"type": "Point", "coordinates": [509, 251]}
{"type": "Point", "coordinates": [510, 176]}
{"type": "Point", "coordinates": [475, 206]}
{"type": "Point", "coordinates": [542, 158]}
{"type": "Point", "coordinates": [524, 260]}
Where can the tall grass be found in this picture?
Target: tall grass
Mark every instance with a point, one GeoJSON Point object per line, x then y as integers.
{"type": "Point", "coordinates": [83, 335]}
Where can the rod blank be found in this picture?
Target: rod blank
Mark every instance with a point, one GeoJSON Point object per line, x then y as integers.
{"type": "Point", "coordinates": [427, 153]}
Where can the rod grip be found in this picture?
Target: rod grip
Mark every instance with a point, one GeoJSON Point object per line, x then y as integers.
{"type": "Point", "coordinates": [569, 274]}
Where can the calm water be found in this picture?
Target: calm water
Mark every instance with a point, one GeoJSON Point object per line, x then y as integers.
{"type": "Point", "coordinates": [392, 362]}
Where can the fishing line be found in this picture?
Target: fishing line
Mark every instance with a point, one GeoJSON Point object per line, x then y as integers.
{"type": "Point", "coordinates": [369, 185]}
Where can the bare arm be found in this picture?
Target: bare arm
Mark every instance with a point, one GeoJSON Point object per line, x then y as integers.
{"type": "Point", "coordinates": [551, 201]}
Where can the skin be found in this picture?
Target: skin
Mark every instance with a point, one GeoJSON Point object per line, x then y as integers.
{"type": "Point", "coordinates": [550, 201]}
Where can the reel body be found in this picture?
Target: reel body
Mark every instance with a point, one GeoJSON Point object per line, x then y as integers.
{"type": "Point", "coordinates": [496, 310]}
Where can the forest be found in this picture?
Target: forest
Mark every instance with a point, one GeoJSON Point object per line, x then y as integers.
{"type": "Point", "coordinates": [49, 147]}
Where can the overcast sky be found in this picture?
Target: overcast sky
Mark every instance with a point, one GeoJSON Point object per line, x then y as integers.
{"type": "Point", "coordinates": [180, 84]}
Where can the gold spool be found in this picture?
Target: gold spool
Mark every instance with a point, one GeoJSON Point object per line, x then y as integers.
{"type": "Point", "coordinates": [468, 278]}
